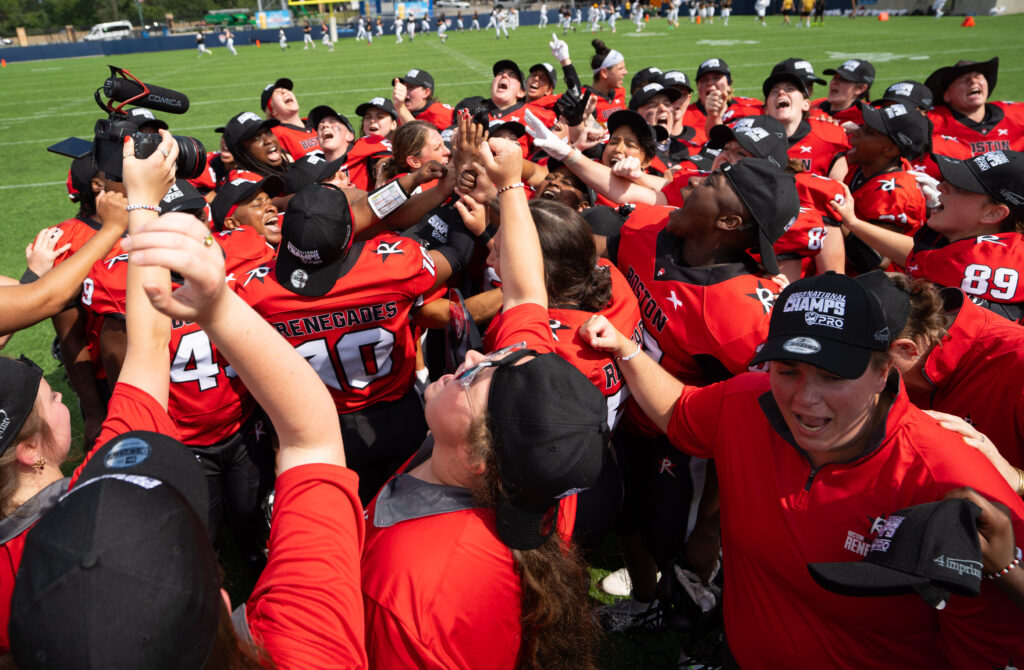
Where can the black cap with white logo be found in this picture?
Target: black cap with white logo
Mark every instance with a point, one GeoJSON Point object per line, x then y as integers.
{"type": "Point", "coordinates": [315, 240]}
{"type": "Point", "coordinates": [245, 126]}
{"type": "Point", "coordinates": [418, 78]}
{"type": "Point", "coordinates": [770, 196]}
{"type": "Point", "coordinates": [830, 321]}
{"type": "Point", "coordinates": [911, 93]}
{"type": "Point", "coordinates": [761, 135]}
{"type": "Point", "coordinates": [1000, 174]}
{"type": "Point", "coordinates": [714, 65]}
{"type": "Point", "coordinates": [908, 129]}
{"type": "Point", "coordinates": [857, 71]}
{"type": "Point", "coordinates": [381, 103]}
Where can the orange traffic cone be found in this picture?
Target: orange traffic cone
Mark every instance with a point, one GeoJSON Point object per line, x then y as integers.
{"type": "Point", "coordinates": [3, 62]}
{"type": "Point", "coordinates": [884, 16]}
{"type": "Point", "coordinates": [968, 22]}
{"type": "Point", "coordinates": [698, 20]}
{"type": "Point", "coordinates": [257, 44]}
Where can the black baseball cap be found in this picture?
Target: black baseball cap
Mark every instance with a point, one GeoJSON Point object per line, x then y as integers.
{"type": "Point", "coordinates": [243, 185]}
{"type": "Point", "coordinates": [857, 71]}
{"type": "Point", "coordinates": [244, 126]}
{"type": "Point", "coordinates": [770, 196]}
{"type": "Point", "coordinates": [17, 396]}
{"type": "Point", "coordinates": [548, 69]}
{"type": "Point", "coordinates": [908, 92]}
{"type": "Point", "coordinates": [80, 179]}
{"type": "Point", "coordinates": [418, 78]}
{"type": "Point", "coordinates": [714, 65]}
{"type": "Point", "coordinates": [379, 102]}
{"type": "Point", "coordinates": [141, 116]}
{"type": "Point", "coordinates": [761, 135]}
{"type": "Point", "coordinates": [320, 112]}
{"type": "Point", "coordinates": [644, 76]}
{"type": "Point", "coordinates": [894, 300]}
{"type": "Point", "coordinates": [646, 134]}
{"type": "Point", "coordinates": [930, 549]}
{"type": "Point", "coordinates": [803, 67]}
{"type": "Point", "coordinates": [1000, 174]}
{"type": "Point", "coordinates": [788, 70]}
{"type": "Point", "coordinates": [509, 65]}
{"type": "Point", "coordinates": [603, 220]}
{"type": "Point", "coordinates": [310, 169]}
{"type": "Point", "coordinates": [589, 196]}
{"type": "Point", "coordinates": [513, 127]}
{"type": "Point", "coordinates": [269, 89]}
{"type": "Point", "coordinates": [674, 78]}
{"type": "Point", "coordinates": [121, 568]}
{"type": "Point", "coordinates": [182, 197]}
{"type": "Point", "coordinates": [831, 321]}
{"type": "Point", "coordinates": [908, 129]}
{"type": "Point", "coordinates": [315, 240]}
{"type": "Point", "coordinates": [549, 429]}
{"type": "Point", "coordinates": [940, 80]}
{"type": "Point", "coordinates": [648, 91]}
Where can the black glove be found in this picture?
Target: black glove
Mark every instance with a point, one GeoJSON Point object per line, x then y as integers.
{"type": "Point", "coordinates": [572, 106]}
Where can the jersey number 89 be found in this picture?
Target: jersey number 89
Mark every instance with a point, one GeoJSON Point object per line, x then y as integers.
{"type": "Point", "coordinates": [976, 281]}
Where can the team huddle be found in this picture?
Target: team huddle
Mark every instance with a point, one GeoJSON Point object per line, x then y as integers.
{"type": "Point", "coordinates": [419, 361]}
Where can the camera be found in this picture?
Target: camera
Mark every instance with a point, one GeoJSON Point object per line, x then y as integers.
{"type": "Point", "coordinates": [109, 133]}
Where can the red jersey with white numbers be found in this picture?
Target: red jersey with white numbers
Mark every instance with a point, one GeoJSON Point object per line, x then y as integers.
{"type": "Point", "coordinates": [1002, 130]}
{"type": "Point", "coordinates": [816, 143]}
{"type": "Point", "coordinates": [362, 158]}
{"type": "Point", "coordinates": [890, 198]}
{"type": "Point", "coordinates": [804, 238]}
{"type": "Point", "coordinates": [437, 113]}
{"type": "Point", "coordinates": [701, 324]}
{"type": "Point", "coordinates": [296, 141]}
{"type": "Point", "coordinates": [600, 368]}
{"type": "Point", "coordinates": [607, 105]}
{"type": "Point", "coordinates": [77, 232]}
{"type": "Point", "coordinates": [207, 400]}
{"type": "Point", "coordinates": [986, 266]}
{"type": "Point", "coordinates": [357, 335]}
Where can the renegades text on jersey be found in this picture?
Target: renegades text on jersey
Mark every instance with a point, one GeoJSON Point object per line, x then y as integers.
{"type": "Point", "coordinates": [295, 140]}
{"type": "Point", "coordinates": [357, 335]}
{"type": "Point", "coordinates": [987, 266]}
{"type": "Point", "coordinates": [1001, 130]}
{"type": "Point", "coordinates": [815, 144]}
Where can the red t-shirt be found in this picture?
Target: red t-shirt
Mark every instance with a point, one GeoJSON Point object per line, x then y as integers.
{"type": "Point", "coordinates": [817, 148]}
{"type": "Point", "coordinates": [987, 266]}
{"type": "Point", "coordinates": [779, 514]}
{"type": "Point", "coordinates": [296, 141]}
{"type": "Point", "coordinates": [437, 113]}
{"type": "Point", "coordinates": [1006, 134]}
{"type": "Point", "coordinates": [357, 335]}
{"type": "Point", "coordinates": [77, 232]}
{"type": "Point", "coordinates": [305, 610]}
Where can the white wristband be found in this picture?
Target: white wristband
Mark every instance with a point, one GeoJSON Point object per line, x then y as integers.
{"type": "Point", "coordinates": [387, 199]}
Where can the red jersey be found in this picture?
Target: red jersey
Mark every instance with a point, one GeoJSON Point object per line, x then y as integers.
{"type": "Point", "coordinates": [986, 266]}
{"type": "Point", "coordinates": [822, 111]}
{"type": "Point", "coordinates": [209, 180]}
{"type": "Point", "coordinates": [804, 238]}
{"type": "Point", "coordinates": [607, 104]}
{"type": "Point", "coordinates": [295, 140]}
{"type": "Point", "coordinates": [207, 401]}
{"type": "Point", "coordinates": [776, 615]}
{"type": "Point", "coordinates": [891, 198]}
{"type": "Point", "coordinates": [437, 113]}
{"type": "Point", "coordinates": [738, 107]}
{"type": "Point", "coordinates": [680, 180]}
{"type": "Point", "coordinates": [357, 335]}
{"type": "Point", "coordinates": [601, 369]}
{"type": "Point", "coordinates": [977, 373]}
{"type": "Point", "coordinates": [1002, 129]}
{"type": "Point", "coordinates": [701, 324]}
{"type": "Point", "coordinates": [943, 145]}
{"type": "Point", "coordinates": [362, 158]}
{"type": "Point", "coordinates": [816, 143]}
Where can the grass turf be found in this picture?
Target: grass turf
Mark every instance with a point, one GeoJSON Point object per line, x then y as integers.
{"type": "Point", "coordinates": [46, 101]}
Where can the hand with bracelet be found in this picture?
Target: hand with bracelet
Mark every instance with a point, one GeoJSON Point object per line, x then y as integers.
{"type": "Point", "coordinates": [600, 334]}
{"type": "Point", "coordinates": [503, 161]}
{"type": "Point", "coordinates": [147, 180]}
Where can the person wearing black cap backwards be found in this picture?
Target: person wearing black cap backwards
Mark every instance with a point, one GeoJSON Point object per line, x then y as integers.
{"type": "Point", "coordinates": [973, 239]}
{"type": "Point", "coordinates": [279, 102]}
{"type": "Point", "coordinates": [850, 83]}
{"type": "Point", "coordinates": [466, 545]}
{"type": "Point", "coordinates": [120, 573]}
{"type": "Point", "coordinates": [413, 98]}
{"type": "Point", "coordinates": [808, 456]}
{"type": "Point", "coordinates": [962, 109]}
{"type": "Point", "coordinates": [705, 308]}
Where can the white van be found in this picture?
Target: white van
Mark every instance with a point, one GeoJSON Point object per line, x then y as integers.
{"type": "Point", "coordinates": [114, 30]}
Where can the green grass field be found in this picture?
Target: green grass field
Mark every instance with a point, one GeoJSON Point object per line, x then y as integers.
{"type": "Point", "coordinates": [47, 101]}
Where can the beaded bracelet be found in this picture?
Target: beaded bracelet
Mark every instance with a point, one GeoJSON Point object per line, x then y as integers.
{"type": "Point", "coordinates": [518, 184]}
{"type": "Point", "coordinates": [152, 208]}
{"type": "Point", "coordinates": [631, 356]}
{"type": "Point", "coordinates": [1014, 563]}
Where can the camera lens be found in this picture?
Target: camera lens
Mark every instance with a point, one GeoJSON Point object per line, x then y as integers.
{"type": "Point", "coordinates": [191, 157]}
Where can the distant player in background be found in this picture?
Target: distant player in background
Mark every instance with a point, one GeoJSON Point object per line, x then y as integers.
{"type": "Point", "coordinates": [410, 27]}
{"type": "Point", "coordinates": [760, 7]}
{"type": "Point", "coordinates": [229, 41]}
{"type": "Point", "coordinates": [459, 23]}
{"type": "Point", "coordinates": [361, 29]}
{"type": "Point", "coordinates": [399, 26]}
{"type": "Point", "coordinates": [380, 27]}
{"type": "Point", "coordinates": [805, 13]}
{"type": "Point", "coordinates": [543, 15]}
{"type": "Point", "coordinates": [787, 8]}
{"type": "Point", "coordinates": [726, 11]}
{"type": "Point", "coordinates": [282, 39]}
{"type": "Point", "coordinates": [476, 21]}
{"type": "Point", "coordinates": [307, 37]}
{"type": "Point", "coordinates": [819, 12]}
{"type": "Point", "coordinates": [442, 28]}
{"type": "Point", "coordinates": [325, 37]}
{"type": "Point", "coordinates": [201, 44]}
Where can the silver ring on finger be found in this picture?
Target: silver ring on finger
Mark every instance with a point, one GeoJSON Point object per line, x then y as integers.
{"type": "Point", "coordinates": [165, 152]}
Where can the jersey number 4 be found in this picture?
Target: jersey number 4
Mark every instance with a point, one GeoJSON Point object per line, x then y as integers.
{"type": "Point", "coordinates": [977, 277]}
{"type": "Point", "coordinates": [365, 355]}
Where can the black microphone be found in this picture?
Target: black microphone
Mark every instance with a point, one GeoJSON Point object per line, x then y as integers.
{"type": "Point", "coordinates": [158, 99]}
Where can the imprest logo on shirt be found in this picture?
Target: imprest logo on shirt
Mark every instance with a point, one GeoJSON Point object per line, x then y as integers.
{"type": "Point", "coordinates": [820, 308]}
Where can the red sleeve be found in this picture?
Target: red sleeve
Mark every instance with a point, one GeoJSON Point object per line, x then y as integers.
{"type": "Point", "coordinates": [674, 189]}
{"type": "Point", "coordinates": [130, 408]}
{"type": "Point", "coordinates": [306, 609]}
{"type": "Point", "coordinates": [391, 643]}
{"type": "Point", "coordinates": [691, 428]}
{"type": "Point", "coordinates": [528, 323]}
{"type": "Point", "coordinates": [439, 114]}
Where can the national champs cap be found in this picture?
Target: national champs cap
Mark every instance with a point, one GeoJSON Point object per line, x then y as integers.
{"type": "Point", "coordinates": [769, 194]}
{"type": "Point", "coordinates": [714, 65]}
{"type": "Point", "coordinates": [416, 77]}
{"type": "Point", "coordinates": [509, 65]}
{"type": "Point", "coordinates": [121, 568]}
{"type": "Point", "coordinates": [761, 135]}
{"type": "Point", "coordinates": [908, 129]}
{"type": "Point", "coordinates": [182, 197]}
{"type": "Point", "coordinates": [381, 103]}
{"type": "Point", "coordinates": [645, 94]}
{"type": "Point", "coordinates": [930, 549]}
{"type": "Point", "coordinates": [911, 93]}
{"type": "Point", "coordinates": [676, 78]}
{"type": "Point", "coordinates": [830, 321]}
{"type": "Point", "coordinates": [894, 300]}
{"type": "Point", "coordinates": [549, 426]}
{"type": "Point", "coordinates": [141, 116]}
{"type": "Point", "coordinates": [1000, 174]}
{"type": "Point", "coordinates": [644, 77]}
{"type": "Point", "coordinates": [646, 134]}
{"type": "Point", "coordinates": [854, 70]}
{"type": "Point", "coordinates": [548, 69]}
{"type": "Point", "coordinates": [315, 240]}
{"type": "Point", "coordinates": [243, 126]}
{"type": "Point", "coordinates": [789, 70]}
{"type": "Point", "coordinates": [320, 112]}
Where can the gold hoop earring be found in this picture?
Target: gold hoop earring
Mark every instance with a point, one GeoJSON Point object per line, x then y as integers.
{"type": "Point", "coordinates": [39, 464]}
